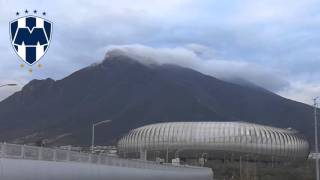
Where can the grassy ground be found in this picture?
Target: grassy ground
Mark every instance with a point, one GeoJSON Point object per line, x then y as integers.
{"type": "Point", "coordinates": [303, 170]}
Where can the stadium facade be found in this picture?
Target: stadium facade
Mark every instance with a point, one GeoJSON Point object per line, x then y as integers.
{"type": "Point", "coordinates": [214, 140]}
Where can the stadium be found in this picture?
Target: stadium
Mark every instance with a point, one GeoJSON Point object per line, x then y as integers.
{"type": "Point", "coordinates": [214, 140]}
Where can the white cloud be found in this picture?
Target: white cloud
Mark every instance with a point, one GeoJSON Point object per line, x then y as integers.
{"type": "Point", "coordinates": [301, 91]}
{"type": "Point", "coordinates": [273, 11]}
{"type": "Point", "coordinates": [201, 58]}
{"type": "Point", "coordinates": [269, 42]}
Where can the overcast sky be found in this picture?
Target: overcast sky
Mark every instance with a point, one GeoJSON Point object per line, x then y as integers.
{"type": "Point", "coordinates": [272, 43]}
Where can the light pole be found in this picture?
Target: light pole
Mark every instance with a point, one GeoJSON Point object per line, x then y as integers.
{"type": "Point", "coordinates": [93, 126]}
{"type": "Point", "coordinates": [316, 135]}
{"type": "Point", "coordinates": [8, 85]}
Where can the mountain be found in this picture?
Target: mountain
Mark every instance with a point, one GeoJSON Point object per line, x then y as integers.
{"type": "Point", "coordinates": [133, 94]}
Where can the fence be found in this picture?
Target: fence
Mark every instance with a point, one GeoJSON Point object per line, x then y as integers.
{"type": "Point", "coordinates": [14, 151]}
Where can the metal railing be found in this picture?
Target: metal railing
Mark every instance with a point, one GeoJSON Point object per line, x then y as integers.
{"type": "Point", "coordinates": [15, 151]}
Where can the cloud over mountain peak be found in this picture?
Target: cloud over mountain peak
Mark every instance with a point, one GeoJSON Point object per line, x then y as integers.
{"type": "Point", "coordinates": [204, 60]}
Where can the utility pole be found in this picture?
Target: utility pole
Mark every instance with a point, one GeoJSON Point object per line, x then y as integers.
{"type": "Point", "coordinates": [3, 85]}
{"type": "Point", "coordinates": [167, 155]}
{"type": "Point", "coordinates": [92, 136]}
{"type": "Point", "coordinates": [240, 164]}
{"type": "Point", "coordinates": [316, 135]}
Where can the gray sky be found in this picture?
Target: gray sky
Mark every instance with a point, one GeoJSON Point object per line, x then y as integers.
{"type": "Point", "coordinates": [272, 43]}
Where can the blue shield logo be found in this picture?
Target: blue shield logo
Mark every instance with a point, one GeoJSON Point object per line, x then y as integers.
{"type": "Point", "coordinates": [30, 37]}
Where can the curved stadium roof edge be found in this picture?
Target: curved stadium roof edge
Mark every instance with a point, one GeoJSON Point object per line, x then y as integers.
{"type": "Point", "coordinates": [241, 137]}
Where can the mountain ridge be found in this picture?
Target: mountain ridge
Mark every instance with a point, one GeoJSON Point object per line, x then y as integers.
{"type": "Point", "coordinates": [133, 94]}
